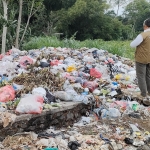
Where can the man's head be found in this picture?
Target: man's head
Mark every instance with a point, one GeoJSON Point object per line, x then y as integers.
{"type": "Point", "coordinates": [146, 24]}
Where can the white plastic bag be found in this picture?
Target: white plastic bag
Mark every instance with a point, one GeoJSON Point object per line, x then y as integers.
{"type": "Point", "coordinates": [17, 86]}
{"type": "Point", "coordinates": [30, 104]}
{"type": "Point", "coordinates": [62, 95]}
{"type": "Point", "coordinates": [40, 91]}
{"type": "Point", "coordinates": [111, 113]}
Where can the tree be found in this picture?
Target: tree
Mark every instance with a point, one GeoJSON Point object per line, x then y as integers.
{"type": "Point", "coordinates": [33, 7]}
{"type": "Point", "coordinates": [5, 5]}
{"type": "Point", "coordinates": [136, 12]}
{"type": "Point", "coordinates": [119, 3]}
{"type": "Point", "coordinates": [19, 24]}
{"type": "Point", "coordinates": [85, 18]}
{"type": "Point", "coordinates": [51, 9]}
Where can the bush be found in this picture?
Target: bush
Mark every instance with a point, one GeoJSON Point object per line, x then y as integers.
{"type": "Point", "coordinates": [121, 48]}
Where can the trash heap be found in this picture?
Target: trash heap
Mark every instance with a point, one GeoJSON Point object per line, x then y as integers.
{"type": "Point", "coordinates": [32, 81]}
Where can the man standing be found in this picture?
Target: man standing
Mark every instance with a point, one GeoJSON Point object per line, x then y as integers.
{"type": "Point", "coordinates": [142, 60]}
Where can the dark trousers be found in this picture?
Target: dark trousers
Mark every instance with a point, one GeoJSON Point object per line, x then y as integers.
{"type": "Point", "coordinates": [143, 76]}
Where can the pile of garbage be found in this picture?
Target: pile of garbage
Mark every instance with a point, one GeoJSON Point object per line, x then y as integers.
{"type": "Point", "coordinates": [31, 80]}
{"type": "Point", "coordinates": [84, 135]}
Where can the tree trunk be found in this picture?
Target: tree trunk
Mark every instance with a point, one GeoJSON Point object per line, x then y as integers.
{"type": "Point", "coordinates": [48, 27]}
{"type": "Point", "coordinates": [118, 7]}
{"type": "Point", "coordinates": [4, 27]}
{"type": "Point", "coordinates": [27, 22]}
{"type": "Point", "coordinates": [19, 24]}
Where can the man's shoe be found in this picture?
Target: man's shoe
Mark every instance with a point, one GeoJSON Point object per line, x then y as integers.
{"type": "Point", "coordinates": [146, 101]}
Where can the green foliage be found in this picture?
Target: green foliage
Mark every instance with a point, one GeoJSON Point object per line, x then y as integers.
{"type": "Point", "coordinates": [78, 20]}
{"type": "Point", "coordinates": [121, 48]}
{"type": "Point", "coordinates": [88, 20]}
{"type": "Point", "coordinates": [136, 12]}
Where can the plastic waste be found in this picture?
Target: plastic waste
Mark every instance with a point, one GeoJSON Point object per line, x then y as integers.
{"type": "Point", "coordinates": [40, 91]}
{"type": "Point", "coordinates": [49, 97]}
{"type": "Point", "coordinates": [128, 141]}
{"type": "Point", "coordinates": [111, 113]}
{"type": "Point", "coordinates": [86, 91]}
{"type": "Point", "coordinates": [3, 78]}
{"type": "Point", "coordinates": [91, 85]}
{"type": "Point", "coordinates": [135, 115]}
{"type": "Point", "coordinates": [73, 145]}
{"type": "Point", "coordinates": [96, 92]}
{"type": "Point", "coordinates": [62, 95]}
{"type": "Point", "coordinates": [95, 73]}
{"type": "Point", "coordinates": [44, 64]}
{"type": "Point", "coordinates": [3, 107]}
{"type": "Point", "coordinates": [51, 148]}
{"type": "Point", "coordinates": [71, 68]}
{"type": "Point", "coordinates": [17, 86]}
{"type": "Point", "coordinates": [105, 139]}
{"type": "Point", "coordinates": [83, 75]}
{"type": "Point", "coordinates": [134, 105]}
{"type": "Point", "coordinates": [25, 60]}
{"type": "Point", "coordinates": [1, 56]}
{"type": "Point", "coordinates": [134, 128]}
{"type": "Point", "coordinates": [55, 62]}
{"type": "Point", "coordinates": [7, 93]}
{"type": "Point", "coordinates": [31, 104]}
{"type": "Point", "coordinates": [89, 59]}
{"type": "Point", "coordinates": [122, 105]}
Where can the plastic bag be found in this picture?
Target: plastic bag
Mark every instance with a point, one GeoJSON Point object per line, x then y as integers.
{"type": "Point", "coordinates": [103, 70]}
{"type": "Point", "coordinates": [31, 104]}
{"type": "Point", "coordinates": [55, 62]}
{"type": "Point", "coordinates": [24, 61]}
{"type": "Point", "coordinates": [7, 58]}
{"type": "Point", "coordinates": [67, 85]}
{"type": "Point", "coordinates": [1, 56]}
{"type": "Point", "coordinates": [3, 79]}
{"type": "Point", "coordinates": [40, 91]}
{"type": "Point", "coordinates": [121, 104]}
{"type": "Point", "coordinates": [91, 85]}
{"type": "Point", "coordinates": [62, 95]}
{"type": "Point", "coordinates": [83, 75]}
{"type": "Point", "coordinates": [17, 86]}
{"type": "Point", "coordinates": [69, 77]}
{"type": "Point", "coordinates": [111, 113]}
{"type": "Point", "coordinates": [80, 98]}
{"type": "Point", "coordinates": [7, 93]}
{"type": "Point", "coordinates": [89, 59]}
{"type": "Point", "coordinates": [71, 68]}
{"type": "Point", "coordinates": [69, 61]}
{"type": "Point", "coordinates": [95, 73]}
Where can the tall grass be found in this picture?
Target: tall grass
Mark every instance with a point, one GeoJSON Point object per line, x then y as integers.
{"type": "Point", "coordinates": [121, 48]}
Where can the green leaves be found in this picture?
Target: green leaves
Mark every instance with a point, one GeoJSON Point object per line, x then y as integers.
{"type": "Point", "coordinates": [136, 12]}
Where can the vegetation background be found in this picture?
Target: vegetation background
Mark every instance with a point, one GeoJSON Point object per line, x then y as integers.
{"type": "Point", "coordinates": [30, 24]}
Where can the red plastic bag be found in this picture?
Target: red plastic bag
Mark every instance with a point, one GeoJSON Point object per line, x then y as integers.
{"type": "Point", "coordinates": [1, 56]}
{"type": "Point", "coordinates": [55, 62]}
{"type": "Point", "coordinates": [110, 60]}
{"type": "Point", "coordinates": [7, 93]}
{"type": "Point", "coordinates": [31, 104]}
{"type": "Point", "coordinates": [25, 60]}
{"type": "Point", "coordinates": [91, 85]}
{"type": "Point", "coordinates": [95, 73]}
{"type": "Point", "coordinates": [122, 105]}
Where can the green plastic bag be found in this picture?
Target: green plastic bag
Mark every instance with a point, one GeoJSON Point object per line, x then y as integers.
{"type": "Point", "coordinates": [48, 148]}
